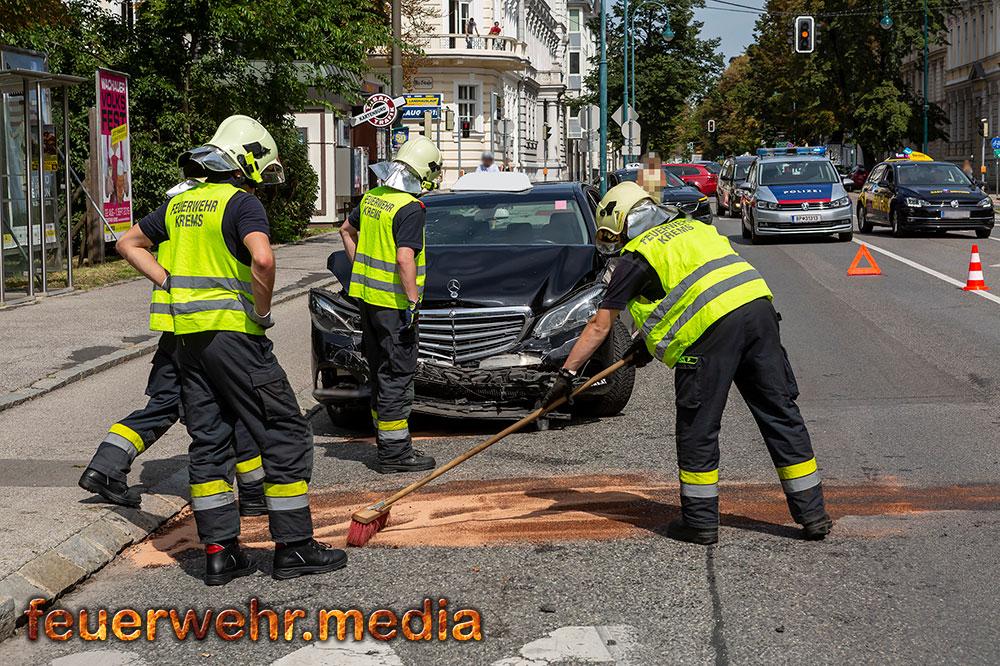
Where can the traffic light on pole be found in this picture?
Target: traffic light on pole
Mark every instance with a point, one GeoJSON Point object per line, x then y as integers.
{"type": "Point", "coordinates": [466, 128]}
{"type": "Point", "coordinates": [805, 34]}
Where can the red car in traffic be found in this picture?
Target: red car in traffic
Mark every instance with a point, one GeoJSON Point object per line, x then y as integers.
{"type": "Point", "coordinates": [696, 175]}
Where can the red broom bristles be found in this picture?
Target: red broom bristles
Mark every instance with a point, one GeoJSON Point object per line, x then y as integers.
{"type": "Point", "coordinates": [360, 533]}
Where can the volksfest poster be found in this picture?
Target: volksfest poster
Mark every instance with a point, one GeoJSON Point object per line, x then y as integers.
{"type": "Point", "coordinates": [114, 152]}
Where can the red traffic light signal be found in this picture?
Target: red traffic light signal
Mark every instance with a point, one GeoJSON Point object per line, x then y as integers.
{"type": "Point", "coordinates": [466, 128]}
{"type": "Point", "coordinates": [805, 34]}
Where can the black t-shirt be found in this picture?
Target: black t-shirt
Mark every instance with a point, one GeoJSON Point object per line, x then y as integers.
{"type": "Point", "coordinates": [407, 226]}
{"type": "Point", "coordinates": [244, 215]}
{"type": "Point", "coordinates": [632, 277]}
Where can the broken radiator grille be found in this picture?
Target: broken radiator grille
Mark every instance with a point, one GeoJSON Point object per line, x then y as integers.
{"type": "Point", "coordinates": [459, 335]}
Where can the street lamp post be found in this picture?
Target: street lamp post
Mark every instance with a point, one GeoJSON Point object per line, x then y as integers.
{"type": "Point", "coordinates": [628, 24]}
{"type": "Point", "coordinates": [625, 55]}
{"type": "Point", "coordinates": [926, 72]}
{"type": "Point", "coordinates": [602, 75]}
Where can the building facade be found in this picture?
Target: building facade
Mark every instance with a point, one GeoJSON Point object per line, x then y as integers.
{"type": "Point", "coordinates": [513, 87]}
{"type": "Point", "coordinates": [964, 80]}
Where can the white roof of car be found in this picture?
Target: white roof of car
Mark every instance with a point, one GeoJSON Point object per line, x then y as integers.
{"type": "Point", "coordinates": [495, 181]}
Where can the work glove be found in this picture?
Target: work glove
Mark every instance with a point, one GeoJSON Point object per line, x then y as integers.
{"type": "Point", "coordinates": [411, 315]}
{"type": "Point", "coordinates": [562, 386]}
{"type": "Point", "coordinates": [264, 320]}
{"type": "Point", "coordinates": [639, 352]}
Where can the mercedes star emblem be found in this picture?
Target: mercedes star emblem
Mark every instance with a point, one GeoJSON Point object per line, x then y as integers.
{"type": "Point", "coordinates": [453, 287]}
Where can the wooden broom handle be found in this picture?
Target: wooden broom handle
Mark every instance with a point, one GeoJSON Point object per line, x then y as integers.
{"type": "Point", "coordinates": [530, 418]}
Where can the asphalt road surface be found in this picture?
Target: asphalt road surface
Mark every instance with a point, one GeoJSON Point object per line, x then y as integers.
{"type": "Point", "coordinates": [556, 538]}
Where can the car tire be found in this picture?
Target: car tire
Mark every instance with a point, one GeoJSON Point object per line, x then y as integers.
{"type": "Point", "coordinates": [755, 238]}
{"type": "Point", "coordinates": [983, 233]}
{"type": "Point", "coordinates": [865, 225]}
{"type": "Point", "coordinates": [720, 210]}
{"type": "Point", "coordinates": [743, 229]}
{"type": "Point", "coordinates": [354, 416]}
{"type": "Point", "coordinates": [846, 236]}
{"type": "Point", "coordinates": [614, 399]}
{"type": "Point", "coordinates": [897, 230]}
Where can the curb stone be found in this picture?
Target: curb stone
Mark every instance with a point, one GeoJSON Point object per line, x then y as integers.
{"type": "Point", "coordinates": [80, 371]}
{"type": "Point", "coordinates": [56, 571]}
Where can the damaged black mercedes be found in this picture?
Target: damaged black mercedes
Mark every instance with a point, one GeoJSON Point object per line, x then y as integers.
{"type": "Point", "coordinates": [512, 278]}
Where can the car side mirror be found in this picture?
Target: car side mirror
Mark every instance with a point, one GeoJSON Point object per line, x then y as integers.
{"type": "Point", "coordinates": [847, 181]}
{"type": "Point", "coordinates": [745, 187]}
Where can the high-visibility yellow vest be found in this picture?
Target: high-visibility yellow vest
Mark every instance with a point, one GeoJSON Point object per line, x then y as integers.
{"type": "Point", "coordinates": [209, 289]}
{"type": "Point", "coordinates": [374, 277]}
{"type": "Point", "coordinates": [703, 279]}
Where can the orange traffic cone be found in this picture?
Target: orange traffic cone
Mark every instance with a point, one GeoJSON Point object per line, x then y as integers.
{"type": "Point", "coordinates": [975, 281]}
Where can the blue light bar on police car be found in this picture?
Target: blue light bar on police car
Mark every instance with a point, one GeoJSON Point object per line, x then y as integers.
{"type": "Point", "coordinates": [791, 150]}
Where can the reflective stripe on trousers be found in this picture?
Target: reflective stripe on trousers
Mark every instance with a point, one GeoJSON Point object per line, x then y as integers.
{"type": "Point", "coordinates": [800, 476]}
{"type": "Point", "coordinates": [700, 484]}
{"type": "Point", "coordinates": [703, 299]}
{"type": "Point", "coordinates": [286, 496]}
{"type": "Point", "coordinates": [211, 495]}
{"type": "Point", "coordinates": [250, 471]}
{"type": "Point", "coordinates": [126, 439]}
{"type": "Point", "coordinates": [392, 431]}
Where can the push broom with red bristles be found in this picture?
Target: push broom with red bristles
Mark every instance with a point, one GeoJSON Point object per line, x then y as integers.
{"type": "Point", "coordinates": [367, 522]}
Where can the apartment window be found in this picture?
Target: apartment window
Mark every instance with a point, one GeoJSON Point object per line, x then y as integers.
{"type": "Point", "coordinates": [574, 62]}
{"type": "Point", "coordinates": [468, 102]}
{"type": "Point", "coordinates": [574, 20]}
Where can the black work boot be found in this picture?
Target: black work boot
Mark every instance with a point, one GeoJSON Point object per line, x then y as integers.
{"type": "Point", "coordinates": [816, 530]}
{"type": "Point", "coordinates": [112, 490]}
{"type": "Point", "coordinates": [224, 562]}
{"type": "Point", "coordinates": [252, 505]}
{"type": "Point", "coordinates": [414, 461]}
{"type": "Point", "coordinates": [703, 536]}
{"type": "Point", "coordinates": [302, 558]}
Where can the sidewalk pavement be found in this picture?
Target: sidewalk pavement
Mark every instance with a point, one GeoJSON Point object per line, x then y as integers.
{"type": "Point", "coordinates": [62, 339]}
{"type": "Point", "coordinates": [54, 533]}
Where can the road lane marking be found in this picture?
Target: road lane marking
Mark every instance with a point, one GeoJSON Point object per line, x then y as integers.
{"type": "Point", "coordinates": [367, 652]}
{"type": "Point", "coordinates": [929, 271]}
{"type": "Point", "coordinates": [593, 645]}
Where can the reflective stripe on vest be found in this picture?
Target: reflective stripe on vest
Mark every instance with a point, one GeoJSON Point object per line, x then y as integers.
{"type": "Point", "coordinates": [374, 276]}
{"type": "Point", "coordinates": [208, 288]}
{"type": "Point", "coordinates": [703, 280]}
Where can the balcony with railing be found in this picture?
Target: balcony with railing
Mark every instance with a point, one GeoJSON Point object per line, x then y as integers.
{"type": "Point", "coordinates": [498, 51]}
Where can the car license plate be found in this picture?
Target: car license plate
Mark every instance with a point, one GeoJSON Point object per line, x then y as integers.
{"type": "Point", "coordinates": [805, 218]}
{"type": "Point", "coordinates": [955, 214]}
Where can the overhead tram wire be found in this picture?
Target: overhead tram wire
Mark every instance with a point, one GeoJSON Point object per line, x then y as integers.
{"type": "Point", "coordinates": [874, 10]}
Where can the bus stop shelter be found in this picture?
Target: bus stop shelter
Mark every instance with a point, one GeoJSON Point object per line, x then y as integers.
{"type": "Point", "coordinates": [36, 224]}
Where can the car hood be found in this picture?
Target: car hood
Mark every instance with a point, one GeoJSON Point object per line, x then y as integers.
{"type": "Point", "coordinates": [938, 193]}
{"type": "Point", "coordinates": [797, 194]}
{"type": "Point", "coordinates": [680, 194]}
{"type": "Point", "coordinates": [495, 276]}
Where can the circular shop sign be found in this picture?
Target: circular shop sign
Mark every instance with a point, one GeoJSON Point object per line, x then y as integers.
{"type": "Point", "coordinates": [383, 119]}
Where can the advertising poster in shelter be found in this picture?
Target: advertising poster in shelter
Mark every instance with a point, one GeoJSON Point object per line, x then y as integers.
{"type": "Point", "coordinates": [114, 152]}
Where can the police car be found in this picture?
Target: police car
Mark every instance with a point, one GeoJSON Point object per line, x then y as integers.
{"type": "Point", "coordinates": [794, 191]}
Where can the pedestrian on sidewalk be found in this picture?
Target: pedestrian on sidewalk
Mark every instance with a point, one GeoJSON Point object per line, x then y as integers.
{"type": "Point", "coordinates": [702, 310]}
{"type": "Point", "coordinates": [107, 473]}
{"type": "Point", "coordinates": [384, 238]}
{"type": "Point", "coordinates": [216, 273]}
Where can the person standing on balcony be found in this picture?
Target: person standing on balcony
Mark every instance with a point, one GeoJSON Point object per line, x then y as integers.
{"type": "Point", "coordinates": [470, 30]}
{"type": "Point", "coordinates": [495, 34]}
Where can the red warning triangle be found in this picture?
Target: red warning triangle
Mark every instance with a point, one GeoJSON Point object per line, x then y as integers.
{"type": "Point", "coordinates": [871, 269]}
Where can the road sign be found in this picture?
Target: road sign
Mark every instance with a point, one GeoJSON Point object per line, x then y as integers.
{"type": "Point", "coordinates": [400, 135]}
{"type": "Point", "coordinates": [618, 115]}
{"type": "Point", "coordinates": [632, 129]}
{"type": "Point", "coordinates": [418, 105]}
{"type": "Point", "coordinates": [996, 153]}
{"type": "Point", "coordinates": [379, 110]}
{"type": "Point", "coordinates": [995, 142]}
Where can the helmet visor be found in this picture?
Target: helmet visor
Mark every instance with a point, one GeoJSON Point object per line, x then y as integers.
{"type": "Point", "coordinates": [647, 215]}
{"type": "Point", "coordinates": [202, 159]}
{"type": "Point", "coordinates": [397, 176]}
{"type": "Point", "coordinates": [608, 242]}
{"type": "Point", "coordinates": [273, 174]}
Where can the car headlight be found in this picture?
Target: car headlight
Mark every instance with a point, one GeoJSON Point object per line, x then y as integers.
{"type": "Point", "coordinates": [333, 316]}
{"type": "Point", "coordinates": [841, 202]}
{"type": "Point", "coordinates": [767, 205]}
{"type": "Point", "coordinates": [913, 202]}
{"type": "Point", "coordinates": [986, 203]}
{"type": "Point", "coordinates": [571, 314]}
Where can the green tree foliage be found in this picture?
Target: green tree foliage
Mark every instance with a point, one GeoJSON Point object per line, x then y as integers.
{"type": "Point", "coordinates": [850, 86]}
{"type": "Point", "coordinates": [194, 62]}
{"type": "Point", "coordinates": [669, 75]}
{"type": "Point", "coordinates": [729, 104]}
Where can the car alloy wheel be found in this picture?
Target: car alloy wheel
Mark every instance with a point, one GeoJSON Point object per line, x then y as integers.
{"type": "Point", "coordinates": [864, 224]}
{"type": "Point", "coordinates": [897, 231]}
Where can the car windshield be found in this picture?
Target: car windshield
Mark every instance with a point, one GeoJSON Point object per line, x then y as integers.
{"type": "Point", "coordinates": [505, 218]}
{"type": "Point", "coordinates": [931, 174]}
{"type": "Point", "coordinates": [741, 170]}
{"type": "Point", "coordinates": [801, 172]}
{"type": "Point", "coordinates": [672, 180]}
{"type": "Point", "coordinates": [713, 167]}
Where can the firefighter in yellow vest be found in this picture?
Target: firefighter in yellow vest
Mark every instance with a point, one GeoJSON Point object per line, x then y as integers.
{"type": "Point", "coordinates": [384, 237]}
{"type": "Point", "coordinates": [705, 312]}
{"type": "Point", "coordinates": [216, 277]}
